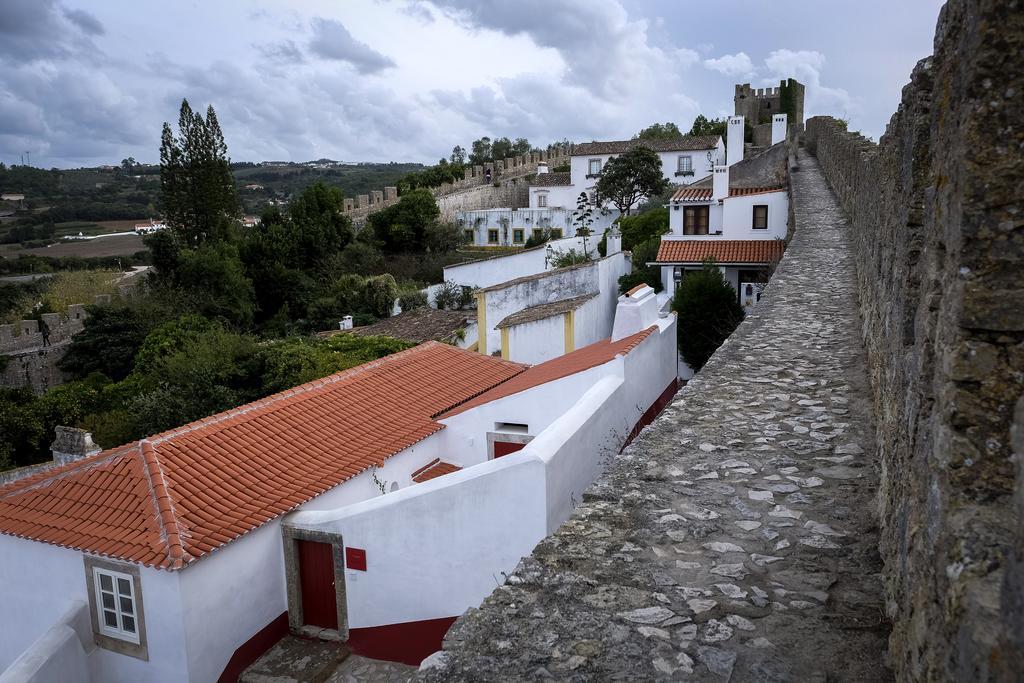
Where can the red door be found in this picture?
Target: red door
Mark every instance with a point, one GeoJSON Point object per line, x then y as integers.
{"type": "Point", "coordinates": [505, 447]}
{"type": "Point", "coordinates": [316, 578]}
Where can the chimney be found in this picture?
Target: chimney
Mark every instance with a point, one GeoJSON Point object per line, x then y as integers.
{"type": "Point", "coordinates": [345, 323]}
{"type": "Point", "coordinates": [542, 167]}
{"type": "Point", "coordinates": [613, 241]}
{"type": "Point", "coordinates": [636, 310]}
{"type": "Point", "coordinates": [779, 128]}
{"type": "Point", "coordinates": [720, 183]}
{"type": "Point", "coordinates": [72, 444]}
{"type": "Point", "coordinates": [734, 141]}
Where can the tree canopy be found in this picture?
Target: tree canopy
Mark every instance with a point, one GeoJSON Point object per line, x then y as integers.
{"type": "Point", "coordinates": [629, 177]}
{"type": "Point", "coordinates": [702, 125]}
{"type": "Point", "coordinates": [197, 190]}
{"type": "Point", "coordinates": [660, 131]}
{"type": "Point", "coordinates": [708, 313]}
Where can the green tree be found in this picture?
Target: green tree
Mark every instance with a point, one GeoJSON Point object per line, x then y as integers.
{"type": "Point", "coordinates": [197, 190]}
{"type": "Point", "coordinates": [702, 125]}
{"type": "Point", "coordinates": [458, 155]}
{"type": "Point", "coordinates": [643, 227]}
{"type": "Point", "coordinates": [480, 151]}
{"type": "Point", "coordinates": [212, 282]}
{"type": "Point", "coordinates": [108, 343]}
{"type": "Point", "coordinates": [380, 293]}
{"type": "Point", "coordinates": [643, 253]}
{"type": "Point", "coordinates": [660, 131]}
{"type": "Point", "coordinates": [629, 177]}
{"type": "Point", "coordinates": [708, 313]}
{"type": "Point", "coordinates": [403, 226]}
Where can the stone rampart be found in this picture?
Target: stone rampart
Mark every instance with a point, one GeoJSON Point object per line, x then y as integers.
{"type": "Point", "coordinates": [484, 186]}
{"type": "Point", "coordinates": [32, 356]}
{"type": "Point", "coordinates": [938, 234]}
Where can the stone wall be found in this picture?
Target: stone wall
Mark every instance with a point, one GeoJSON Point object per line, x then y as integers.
{"type": "Point", "coordinates": [500, 183]}
{"type": "Point", "coordinates": [938, 228]}
{"type": "Point", "coordinates": [31, 360]}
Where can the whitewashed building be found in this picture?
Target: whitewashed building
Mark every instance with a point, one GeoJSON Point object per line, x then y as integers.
{"type": "Point", "coordinates": [167, 559]}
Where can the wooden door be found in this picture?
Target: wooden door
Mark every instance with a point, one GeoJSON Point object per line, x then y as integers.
{"type": "Point", "coordinates": [505, 447]}
{"type": "Point", "coordinates": [316, 578]}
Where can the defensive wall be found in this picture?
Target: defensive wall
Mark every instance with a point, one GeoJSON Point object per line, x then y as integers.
{"type": "Point", "coordinates": [838, 494]}
{"type": "Point", "coordinates": [499, 183]}
{"type": "Point", "coordinates": [32, 356]}
{"type": "Point", "coordinates": [938, 232]}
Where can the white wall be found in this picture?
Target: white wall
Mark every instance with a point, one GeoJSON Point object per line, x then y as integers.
{"type": "Point", "coordinates": [442, 546]}
{"type": "Point", "coordinates": [739, 215]}
{"type": "Point", "coordinates": [563, 196]}
{"type": "Point", "coordinates": [735, 218]}
{"type": "Point", "coordinates": [39, 582]}
{"type": "Point", "coordinates": [537, 341]}
{"type": "Point", "coordinates": [598, 276]}
{"type": "Point", "coordinates": [492, 271]}
{"type": "Point", "coordinates": [580, 166]}
{"type": "Point", "coordinates": [60, 654]}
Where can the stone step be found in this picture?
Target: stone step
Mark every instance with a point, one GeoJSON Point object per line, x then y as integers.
{"type": "Point", "coordinates": [297, 660]}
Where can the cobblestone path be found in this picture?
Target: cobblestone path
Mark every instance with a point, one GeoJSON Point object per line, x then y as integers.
{"type": "Point", "coordinates": [735, 539]}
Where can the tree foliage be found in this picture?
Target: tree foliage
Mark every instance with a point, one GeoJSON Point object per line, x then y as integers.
{"type": "Point", "coordinates": [403, 226]}
{"type": "Point", "coordinates": [197, 190]}
{"type": "Point", "coordinates": [643, 253]}
{"type": "Point", "coordinates": [629, 177]}
{"type": "Point", "coordinates": [708, 313]}
{"type": "Point", "coordinates": [702, 125]}
{"type": "Point", "coordinates": [660, 131]}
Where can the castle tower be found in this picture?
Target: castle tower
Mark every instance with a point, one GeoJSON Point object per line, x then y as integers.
{"type": "Point", "coordinates": [759, 105]}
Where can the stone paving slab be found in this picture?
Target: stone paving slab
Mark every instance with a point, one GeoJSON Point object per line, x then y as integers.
{"type": "Point", "coordinates": [356, 669]}
{"type": "Point", "coordinates": [735, 539]}
{"type": "Point", "coordinates": [296, 660]}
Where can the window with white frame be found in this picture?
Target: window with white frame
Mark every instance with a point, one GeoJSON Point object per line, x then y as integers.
{"type": "Point", "coordinates": [594, 167]}
{"type": "Point", "coordinates": [685, 164]}
{"type": "Point", "coordinates": [116, 604]}
{"type": "Point", "coordinates": [542, 199]}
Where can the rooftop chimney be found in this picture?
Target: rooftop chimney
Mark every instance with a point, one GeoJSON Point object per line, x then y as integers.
{"type": "Point", "coordinates": [636, 310]}
{"type": "Point", "coordinates": [345, 323]}
{"type": "Point", "coordinates": [613, 241]}
{"type": "Point", "coordinates": [72, 444]}
{"type": "Point", "coordinates": [779, 128]}
{"type": "Point", "coordinates": [734, 140]}
{"type": "Point", "coordinates": [720, 183]}
{"type": "Point", "coordinates": [542, 167]}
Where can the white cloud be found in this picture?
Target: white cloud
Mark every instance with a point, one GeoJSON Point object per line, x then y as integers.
{"type": "Point", "coordinates": [738, 64]}
{"type": "Point", "coordinates": [806, 66]}
{"type": "Point", "coordinates": [331, 40]}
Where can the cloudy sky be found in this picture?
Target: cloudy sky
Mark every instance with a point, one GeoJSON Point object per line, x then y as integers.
{"type": "Point", "coordinates": [87, 82]}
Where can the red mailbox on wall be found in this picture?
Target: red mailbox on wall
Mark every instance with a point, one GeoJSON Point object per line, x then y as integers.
{"type": "Point", "coordinates": [355, 558]}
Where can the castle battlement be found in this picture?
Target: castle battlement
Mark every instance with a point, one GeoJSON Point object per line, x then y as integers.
{"type": "Point", "coordinates": [27, 334]}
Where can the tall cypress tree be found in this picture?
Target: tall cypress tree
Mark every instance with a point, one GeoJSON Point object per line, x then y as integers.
{"type": "Point", "coordinates": [197, 190]}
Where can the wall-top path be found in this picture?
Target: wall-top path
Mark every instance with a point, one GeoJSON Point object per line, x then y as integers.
{"type": "Point", "coordinates": [735, 538]}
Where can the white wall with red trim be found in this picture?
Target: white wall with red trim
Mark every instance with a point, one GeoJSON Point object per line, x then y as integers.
{"type": "Point", "coordinates": [434, 549]}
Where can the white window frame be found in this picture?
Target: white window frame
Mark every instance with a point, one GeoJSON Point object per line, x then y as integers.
{"type": "Point", "coordinates": [116, 578]}
{"type": "Point", "coordinates": [590, 167]}
{"type": "Point", "coordinates": [685, 163]}
{"type": "Point", "coordinates": [542, 199]}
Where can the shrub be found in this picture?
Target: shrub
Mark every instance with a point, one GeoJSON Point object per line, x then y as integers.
{"type": "Point", "coordinates": [453, 296]}
{"type": "Point", "coordinates": [412, 298]}
{"type": "Point", "coordinates": [380, 293]}
{"type": "Point", "coordinates": [708, 313]}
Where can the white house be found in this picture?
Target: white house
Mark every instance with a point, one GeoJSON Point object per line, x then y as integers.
{"type": "Point", "coordinates": [166, 559]}
{"type": "Point", "coordinates": [537, 317]}
{"type": "Point", "coordinates": [513, 227]}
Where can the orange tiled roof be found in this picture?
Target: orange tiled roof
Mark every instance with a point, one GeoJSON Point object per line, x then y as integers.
{"type": "Point", "coordinates": [167, 500]}
{"type": "Point", "coordinates": [722, 251]}
{"type": "Point", "coordinates": [704, 194]}
{"type": "Point", "coordinates": [556, 368]}
{"type": "Point", "coordinates": [434, 469]}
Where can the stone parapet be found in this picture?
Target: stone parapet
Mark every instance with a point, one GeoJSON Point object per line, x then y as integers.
{"type": "Point", "coordinates": [936, 212]}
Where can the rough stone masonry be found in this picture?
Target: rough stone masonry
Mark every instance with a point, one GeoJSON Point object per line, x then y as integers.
{"type": "Point", "coordinates": [735, 539]}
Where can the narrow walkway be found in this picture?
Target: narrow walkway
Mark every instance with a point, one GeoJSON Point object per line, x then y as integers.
{"type": "Point", "coordinates": [735, 539]}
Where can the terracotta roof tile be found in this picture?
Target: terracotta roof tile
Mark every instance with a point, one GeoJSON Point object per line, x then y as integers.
{"type": "Point", "coordinates": [415, 326]}
{"type": "Point", "coordinates": [172, 498]}
{"type": "Point", "coordinates": [552, 179]}
{"type": "Point", "coordinates": [433, 469]}
{"type": "Point", "coordinates": [704, 194]}
{"type": "Point", "coordinates": [722, 251]}
{"type": "Point", "coordinates": [683, 144]}
{"type": "Point", "coordinates": [556, 368]}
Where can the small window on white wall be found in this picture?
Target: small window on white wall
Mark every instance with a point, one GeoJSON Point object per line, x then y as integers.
{"type": "Point", "coordinates": [542, 199]}
{"type": "Point", "coordinates": [116, 604]}
{"type": "Point", "coordinates": [594, 167]}
{"type": "Point", "coordinates": [685, 164]}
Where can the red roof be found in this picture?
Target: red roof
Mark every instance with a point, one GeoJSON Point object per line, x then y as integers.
{"type": "Point", "coordinates": [704, 194]}
{"type": "Point", "coordinates": [557, 368]}
{"type": "Point", "coordinates": [434, 469]}
{"type": "Point", "coordinates": [722, 251]}
{"type": "Point", "coordinates": [170, 499]}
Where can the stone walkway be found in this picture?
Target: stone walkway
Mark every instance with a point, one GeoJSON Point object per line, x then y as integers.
{"type": "Point", "coordinates": [734, 540]}
{"type": "Point", "coordinates": [356, 669]}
